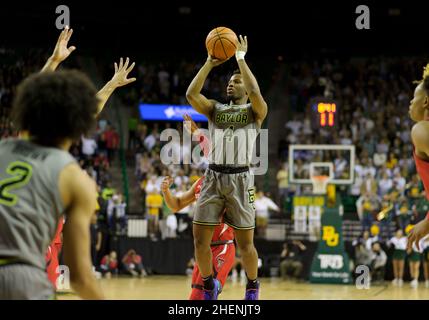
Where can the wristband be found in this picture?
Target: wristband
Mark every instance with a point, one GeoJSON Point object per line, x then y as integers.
{"type": "Point", "coordinates": [239, 55]}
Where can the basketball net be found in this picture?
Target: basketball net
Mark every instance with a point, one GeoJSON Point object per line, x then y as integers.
{"type": "Point", "coordinates": [319, 184]}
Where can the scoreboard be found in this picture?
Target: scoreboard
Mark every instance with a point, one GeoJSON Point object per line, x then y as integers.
{"type": "Point", "coordinates": [324, 112]}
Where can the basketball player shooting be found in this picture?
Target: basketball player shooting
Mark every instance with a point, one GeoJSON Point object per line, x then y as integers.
{"type": "Point", "coordinates": [222, 245]}
{"type": "Point", "coordinates": [228, 185]}
{"type": "Point", "coordinates": [419, 112]}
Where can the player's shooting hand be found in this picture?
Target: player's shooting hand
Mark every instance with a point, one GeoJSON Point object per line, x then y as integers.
{"type": "Point", "coordinates": [166, 183]}
{"type": "Point", "coordinates": [122, 70]}
{"type": "Point", "coordinates": [419, 231]}
{"type": "Point", "coordinates": [190, 125]}
{"type": "Point", "coordinates": [61, 52]}
{"type": "Point", "coordinates": [242, 43]}
{"type": "Point", "coordinates": [215, 62]}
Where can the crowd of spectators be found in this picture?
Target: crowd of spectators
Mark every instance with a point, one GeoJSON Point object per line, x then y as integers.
{"type": "Point", "coordinates": [372, 98]}
{"type": "Point", "coordinates": [372, 251]}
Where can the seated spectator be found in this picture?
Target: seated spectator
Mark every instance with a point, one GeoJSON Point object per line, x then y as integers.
{"type": "Point", "coordinates": [414, 189]}
{"type": "Point", "coordinates": [132, 263]}
{"type": "Point", "coordinates": [394, 193]}
{"type": "Point", "coordinates": [379, 159]}
{"type": "Point", "coordinates": [367, 239]}
{"type": "Point", "coordinates": [109, 265]}
{"type": "Point", "coordinates": [400, 181]}
{"type": "Point", "coordinates": [392, 161]}
{"type": "Point", "coordinates": [367, 206]}
{"type": "Point", "coordinates": [384, 185]}
{"type": "Point", "coordinates": [362, 255]}
{"type": "Point", "coordinates": [403, 213]}
{"type": "Point", "coordinates": [378, 262]}
{"type": "Point", "coordinates": [420, 208]}
{"type": "Point", "coordinates": [374, 233]}
{"type": "Point", "coordinates": [291, 259]}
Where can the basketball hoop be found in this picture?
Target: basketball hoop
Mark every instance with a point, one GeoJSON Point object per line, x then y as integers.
{"type": "Point", "coordinates": [319, 184]}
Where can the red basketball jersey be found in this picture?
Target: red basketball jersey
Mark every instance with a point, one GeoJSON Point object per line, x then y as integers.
{"type": "Point", "coordinates": [422, 167]}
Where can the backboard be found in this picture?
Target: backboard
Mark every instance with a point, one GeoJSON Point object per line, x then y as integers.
{"type": "Point", "coordinates": [335, 161]}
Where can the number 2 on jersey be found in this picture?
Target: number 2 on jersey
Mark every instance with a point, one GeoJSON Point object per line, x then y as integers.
{"type": "Point", "coordinates": [21, 174]}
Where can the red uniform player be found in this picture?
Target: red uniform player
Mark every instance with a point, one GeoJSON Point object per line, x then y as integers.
{"type": "Point", "coordinates": [419, 112]}
{"type": "Point", "coordinates": [222, 246]}
{"type": "Point", "coordinates": [223, 250]}
{"type": "Point", "coordinates": [52, 254]}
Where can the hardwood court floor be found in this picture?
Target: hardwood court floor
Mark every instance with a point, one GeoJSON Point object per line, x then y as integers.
{"type": "Point", "coordinates": [177, 288]}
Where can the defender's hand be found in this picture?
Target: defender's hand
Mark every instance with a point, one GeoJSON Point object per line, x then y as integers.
{"type": "Point", "coordinates": [120, 79]}
{"type": "Point", "coordinates": [190, 125]}
{"type": "Point", "coordinates": [61, 52]}
{"type": "Point", "coordinates": [166, 183]}
{"type": "Point", "coordinates": [419, 231]}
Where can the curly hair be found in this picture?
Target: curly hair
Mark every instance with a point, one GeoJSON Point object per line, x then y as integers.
{"type": "Point", "coordinates": [54, 106]}
{"type": "Point", "coordinates": [425, 79]}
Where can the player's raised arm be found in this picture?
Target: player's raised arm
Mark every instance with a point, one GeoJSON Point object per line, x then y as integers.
{"type": "Point", "coordinates": [78, 190]}
{"type": "Point", "coordinates": [192, 128]}
{"type": "Point", "coordinates": [177, 203]}
{"type": "Point", "coordinates": [61, 51]}
{"type": "Point", "coordinates": [199, 102]}
{"type": "Point", "coordinates": [119, 79]}
{"type": "Point", "coordinates": [259, 106]}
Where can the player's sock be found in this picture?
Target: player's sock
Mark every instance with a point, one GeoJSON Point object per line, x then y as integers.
{"type": "Point", "coordinates": [208, 283]}
{"type": "Point", "coordinates": [252, 284]}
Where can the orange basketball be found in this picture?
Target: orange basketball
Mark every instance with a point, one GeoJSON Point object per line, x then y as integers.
{"type": "Point", "coordinates": [221, 43]}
